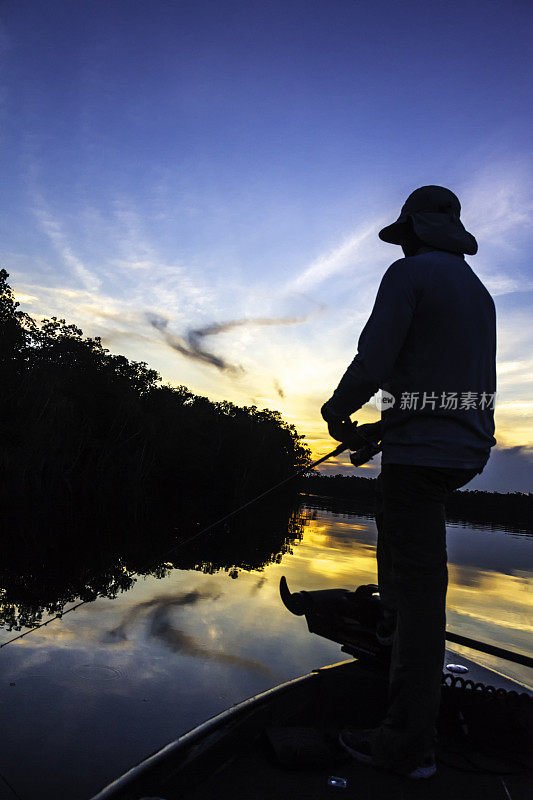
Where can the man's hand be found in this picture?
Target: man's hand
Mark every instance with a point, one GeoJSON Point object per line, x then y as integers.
{"type": "Point", "coordinates": [369, 433]}
{"type": "Point", "coordinates": [347, 432]}
{"type": "Point", "coordinates": [341, 429]}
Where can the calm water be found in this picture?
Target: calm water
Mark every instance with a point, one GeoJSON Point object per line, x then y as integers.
{"type": "Point", "coordinates": [87, 696]}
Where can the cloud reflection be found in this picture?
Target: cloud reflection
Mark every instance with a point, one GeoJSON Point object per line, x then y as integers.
{"type": "Point", "coordinates": [160, 625]}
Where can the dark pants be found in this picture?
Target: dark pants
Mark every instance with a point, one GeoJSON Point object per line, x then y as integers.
{"type": "Point", "coordinates": [413, 578]}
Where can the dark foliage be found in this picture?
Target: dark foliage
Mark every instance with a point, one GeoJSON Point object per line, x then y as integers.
{"type": "Point", "coordinates": [83, 431]}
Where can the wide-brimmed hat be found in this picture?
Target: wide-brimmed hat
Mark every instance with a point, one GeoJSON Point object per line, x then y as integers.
{"type": "Point", "coordinates": [434, 212]}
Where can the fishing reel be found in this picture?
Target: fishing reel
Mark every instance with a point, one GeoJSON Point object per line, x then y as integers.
{"type": "Point", "coordinates": [362, 441]}
{"type": "Point", "coordinates": [364, 454]}
{"type": "Point", "coordinates": [360, 455]}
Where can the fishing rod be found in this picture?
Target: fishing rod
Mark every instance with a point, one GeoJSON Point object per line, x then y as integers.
{"type": "Point", "coordinates": [361, 455]}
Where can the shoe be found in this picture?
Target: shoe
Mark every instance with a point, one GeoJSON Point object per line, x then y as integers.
{"type": "Point", "coordinates": [426, 769]}
{"type": "Point", "coordinates": [358, 743]}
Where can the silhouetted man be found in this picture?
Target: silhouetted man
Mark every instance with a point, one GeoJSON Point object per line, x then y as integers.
{"type": "Point", "coordinates": [430, 343]}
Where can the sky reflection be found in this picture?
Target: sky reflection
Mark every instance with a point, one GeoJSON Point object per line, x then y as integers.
{"type": "Point", "coordinates": [92, 693]}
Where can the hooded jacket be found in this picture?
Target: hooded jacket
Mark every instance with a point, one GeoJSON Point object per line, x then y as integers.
{"type": "Point", "coordinates": [430, 342]}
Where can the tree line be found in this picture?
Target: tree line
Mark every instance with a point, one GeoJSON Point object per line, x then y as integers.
{"type": "Point", "coordinates": [514, 509]}
{"type": "Point", "coordinates": [87, 433]}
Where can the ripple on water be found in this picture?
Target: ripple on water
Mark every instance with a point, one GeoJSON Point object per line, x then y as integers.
{"type": "Point", "coordinates": [97, 672]}
{"type": "Point", "coordinates": [84, 677]}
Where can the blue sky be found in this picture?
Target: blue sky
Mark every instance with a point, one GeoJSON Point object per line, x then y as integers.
{"type": "Point", "coordinates": [209, 162]}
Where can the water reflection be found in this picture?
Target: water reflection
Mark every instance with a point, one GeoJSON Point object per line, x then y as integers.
{"type": "Point", "coordinates": [41, 576]}
{"type": "Point", "coordinates": [88, 695]}
{"type": "Point", "coordinates": [160, 623]}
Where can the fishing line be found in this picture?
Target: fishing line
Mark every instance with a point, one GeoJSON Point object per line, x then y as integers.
{"type": "Point", "coordinates": [10, 787]}
{"type": "Point", "coordinates": [338, 450]}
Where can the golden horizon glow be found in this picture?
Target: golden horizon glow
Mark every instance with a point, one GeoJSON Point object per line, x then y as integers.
{"type": "Point", "coordinates": [292, 368]}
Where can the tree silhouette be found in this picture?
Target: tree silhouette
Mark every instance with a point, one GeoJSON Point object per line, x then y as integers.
{"type": "Point", "coordinates": [84, 431]}
{"type": "Point", "coordinates": [512, 510]}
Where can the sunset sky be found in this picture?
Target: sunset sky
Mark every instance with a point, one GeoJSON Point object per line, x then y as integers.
{"type": "Point", "coordinates": [203, 163]}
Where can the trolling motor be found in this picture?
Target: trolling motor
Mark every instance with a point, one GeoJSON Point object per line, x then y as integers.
{"type": "Point", "coordinates": [346, 617]}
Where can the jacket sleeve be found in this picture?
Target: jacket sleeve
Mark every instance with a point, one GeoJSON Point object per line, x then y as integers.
{"type": "Point", "coordinates": [380, 341]}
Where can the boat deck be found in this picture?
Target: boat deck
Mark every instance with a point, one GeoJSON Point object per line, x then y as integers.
{"type": "Point", "coordinates": [255, 775]}
{"type": "Point", "coordinates": [462, 774]}
{"type": "Point", "coordinates": [284, 744]}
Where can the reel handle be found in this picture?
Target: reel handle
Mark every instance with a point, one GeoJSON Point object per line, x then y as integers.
{"type": "Point", "coordinates": [364, 454]}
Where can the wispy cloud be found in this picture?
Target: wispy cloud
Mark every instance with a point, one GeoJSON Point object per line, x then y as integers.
{"type": "Point", "coordinates": [351, 254]}
{"type": "Point", "coordinates": [191, 345]}
{"type": "Point", "coordinates": [498, 209]}
{"type": "Point", "coordinates": [51, 226]}
{"type": "Point", "coordinates": [279, 389]}
{"type": "Point", "coordinates": [499, 202]}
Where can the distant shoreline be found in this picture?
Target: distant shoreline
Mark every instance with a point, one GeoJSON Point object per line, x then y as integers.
{"type": "Point", "coordinates": [347, 493]}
